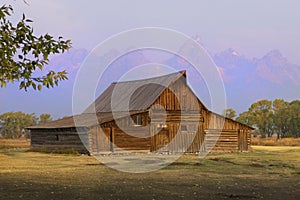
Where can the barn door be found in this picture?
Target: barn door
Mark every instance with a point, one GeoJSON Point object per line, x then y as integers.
{"type": "Point", "coordinates": [101, 140]}
{"type": "Point", "coordinates": [162, 139]}
{"type": "Point", "coordinates": [245, 143]}
{"type": "Point", "coordinates": [242, 140]}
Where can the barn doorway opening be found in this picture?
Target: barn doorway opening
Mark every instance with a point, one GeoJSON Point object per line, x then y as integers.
{"type": "Point", "coordinates": [162, 139]}
{"type": "Point", "coordinates": [111, 140]}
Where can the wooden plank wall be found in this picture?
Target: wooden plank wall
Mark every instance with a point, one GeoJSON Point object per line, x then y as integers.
{"type": "Point", "coordinates": [218, 140]}
{"type": "Point", "coordinates": [177, 97]}
{"type": "Point", "coordinates": [234, 136]}
{"type": "Point", "coordinates": [54, 139]}
{"type": "Point", "coordinates": [179, 141]}
{"type": "Point", "coordinates": [137, 139]}
{"type": "Point", "coordinates": [99, 139]}
{"type": "Point", "coordinates": [177, 105]}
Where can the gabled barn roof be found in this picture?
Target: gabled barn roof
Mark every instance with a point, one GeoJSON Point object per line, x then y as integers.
{"type": "Point", "coordinates": [140, 93]}
{"type": "Point", "coordinates": [82, 120]}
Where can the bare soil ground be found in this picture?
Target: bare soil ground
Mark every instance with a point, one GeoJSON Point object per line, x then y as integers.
{"type": "Point", "coordinates": [263, 173]}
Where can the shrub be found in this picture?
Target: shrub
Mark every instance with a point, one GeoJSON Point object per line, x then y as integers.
{"type": "Point", "coordinates": [275, 142]}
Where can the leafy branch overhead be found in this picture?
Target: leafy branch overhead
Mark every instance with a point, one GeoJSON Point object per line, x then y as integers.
{"type": "Point", "coordinates": [22, 53]}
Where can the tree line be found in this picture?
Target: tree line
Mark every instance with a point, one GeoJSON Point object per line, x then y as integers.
{"type": "Point", "coordinates": [271, 117]}
{"type": "Point", "coordinates": [268, 117]}
{"type": "Point", "coordinates": [13, 124]}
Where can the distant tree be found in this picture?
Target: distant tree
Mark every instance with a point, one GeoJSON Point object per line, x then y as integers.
{"type": "Point", "coordinates": [293, 121]}
{"type": "Point", "coordinates": [262, 115]}
{"type": "Point", "coordinates": [229, 113]}
{"type": "Point", "coordinates": [44, 118]}
{"type": "Point", "coordinates": [14, 124]}
{"type": "Point", "coordinates": [280, 117]}
{"type": "Point", "coordinates": [22, 53]}
{"type": "Point", "coordinates": [246, 118]}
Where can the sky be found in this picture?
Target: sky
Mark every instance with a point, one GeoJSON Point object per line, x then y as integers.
{"type": "Point", "coordinates": [252, 27]}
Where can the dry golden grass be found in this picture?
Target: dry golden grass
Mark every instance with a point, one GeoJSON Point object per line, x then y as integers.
{"type": "Point", "coordinates": [14, 143]}
{"type": "Point", "coordinates": [252, 175]}
{"type": "Point", "coordinates": [275, 142]}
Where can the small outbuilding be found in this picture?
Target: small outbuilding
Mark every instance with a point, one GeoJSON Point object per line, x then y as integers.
{"type": "Point", "coordinates": [160, 114]}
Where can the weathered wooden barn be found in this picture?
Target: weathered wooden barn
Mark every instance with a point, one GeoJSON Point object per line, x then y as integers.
{"type": "Point", "coordinates": [164, 117]}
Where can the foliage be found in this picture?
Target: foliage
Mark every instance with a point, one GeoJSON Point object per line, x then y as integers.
{"type": "Point", "coordinates": [229, 113]}
{"type": "Point", "coordinates": [261, 112]}
{"type": "Point", "coordinates": [44, 118]}
{"type": "Point", "coordinates": [22, 53]}
{"type": "Point", "coordinates": [273, 117]}
{"type": "Point", "coordinates": [246, 118]}
{"type": "Point", "coordinates": [293, 120]}
{"type": "Point", "coordinates": [14, 124]}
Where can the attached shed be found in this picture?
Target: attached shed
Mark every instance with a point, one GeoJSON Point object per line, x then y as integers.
{"type": "Point", "coordinates": [160, 114]}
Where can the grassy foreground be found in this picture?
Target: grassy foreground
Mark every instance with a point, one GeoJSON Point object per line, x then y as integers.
{"type": "Point", "coordinates": [263, 173]}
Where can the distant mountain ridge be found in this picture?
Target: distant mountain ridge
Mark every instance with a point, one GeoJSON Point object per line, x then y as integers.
{"type": "Point", "coordinates": [246, 80]}
{"type": "Point", "coordinates": [272, 67]}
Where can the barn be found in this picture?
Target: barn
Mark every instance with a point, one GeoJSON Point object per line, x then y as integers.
{"type": "Point", "coordinates": [144, 116]}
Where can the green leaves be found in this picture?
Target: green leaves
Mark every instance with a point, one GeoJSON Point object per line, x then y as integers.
{"type": "Point", "coordinates": [44, 118]}
{"type": "Point", "coordinates": [14, 123]}
{"type": "Point", "coordinates": [229, 113]}
{"type": "Point", "coordinates": [40, 87]}
{"type": "Point", "coordinates": [22, 53]}
{"type": "Point", "coordinates": [274, 117]}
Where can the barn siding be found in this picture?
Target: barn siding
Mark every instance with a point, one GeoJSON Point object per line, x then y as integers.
{"type": "Point", "coordinates": [99, 139]}
{"type": "Point", "coordinates": [179, 141]}
{"type": "Point", "coordinates": [139, 140]}
{"type": "Point", "coordinates": [178, 96]}
{"type": "Point", "coordinates": [233, 136]}
{"type": "Point", "coordinates": [55, 139]}
{"type": "Point", "coordinates": [125, 136]}
{"type": "Point", "coordinates": [176, 106]}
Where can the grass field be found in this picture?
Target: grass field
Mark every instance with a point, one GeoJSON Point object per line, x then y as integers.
{"type": "Point", "coordinates": [275, 142]}
{"type": "Point", "coordinates": [263, 173]}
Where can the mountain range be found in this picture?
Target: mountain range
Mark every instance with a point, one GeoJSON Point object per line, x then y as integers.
{"type": "Point", "coordinates": [246, 80]}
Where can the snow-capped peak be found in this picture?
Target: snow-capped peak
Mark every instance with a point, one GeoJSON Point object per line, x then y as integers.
{"type": "Point", "coordinates": [235, 53]}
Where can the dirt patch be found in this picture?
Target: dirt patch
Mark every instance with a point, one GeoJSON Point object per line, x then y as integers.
{"type": "Point", "coordinates": [219, 159]}
{"type": "Point", "coordinates": [257, 165]}
{"type": "Point", "coordinates": [237, 196]}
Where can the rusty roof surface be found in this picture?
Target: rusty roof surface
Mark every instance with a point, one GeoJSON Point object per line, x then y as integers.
{"type": "Point", "coordinates": [132, 95]}
{"type": "Point", "coordinates": [83, 120]}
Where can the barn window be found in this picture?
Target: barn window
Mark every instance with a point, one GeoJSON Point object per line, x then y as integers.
{"type": "Point", "coordinates": [183, 128]}
{"type": "Point", "coordinates": [137, 120]}
{"type": "Point", "coordinates": [57, 137]}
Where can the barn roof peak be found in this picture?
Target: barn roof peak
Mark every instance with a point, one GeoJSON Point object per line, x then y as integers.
{"type": "Point", "coordinates": [142, 93]}
{"type": "Point", "coordinates": [181, 73]}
